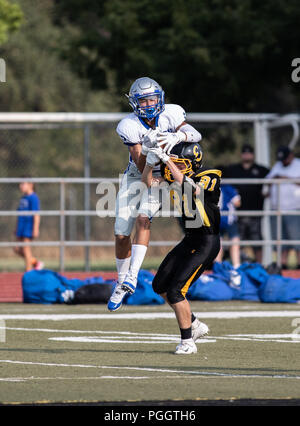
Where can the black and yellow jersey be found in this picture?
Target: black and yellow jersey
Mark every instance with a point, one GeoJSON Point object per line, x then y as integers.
{"type": "Point", "coordinates": [200, 212]}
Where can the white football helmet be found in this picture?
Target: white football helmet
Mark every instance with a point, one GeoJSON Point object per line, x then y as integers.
{"type": "Point", "coordinates": [142, 88]}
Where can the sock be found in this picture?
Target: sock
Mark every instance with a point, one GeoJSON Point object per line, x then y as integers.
{"type": "Point", "coordinates": [186, 333]}
{"type": "Point", "coordinates": [193, 317]}
{"type": "Point", "coordinates": [122, 268]}
{"type": "Point", "coordinates": [138, 253]}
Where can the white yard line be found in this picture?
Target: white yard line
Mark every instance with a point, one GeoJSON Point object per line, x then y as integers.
{"type": "Point", "coordinates": [155, 370]}
{"type": "Point", "coordinates": [125, 333]}
{"type": "Point", "coordinates": [151, 315]}
{"type": "Point", "coordinates": [157, 340]}
{"type": "Point", "coordinates": [105, 336]}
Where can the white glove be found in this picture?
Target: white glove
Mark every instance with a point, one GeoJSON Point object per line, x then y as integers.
{"type": "Point", "coordinates": [159, 152]}
{"type": "Point", "coordinates": [152, 159]}
{"type": "Point", "coordinates": [170, 140]}
{"type": "Point", "coordinates": [145, 149]}
{"type": "Point", "coordinates": [149, 140]}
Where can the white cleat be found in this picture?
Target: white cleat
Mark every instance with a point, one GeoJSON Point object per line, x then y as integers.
{"type": "Point", "coordinates": [116, 299]}
{"type": "Point", "coordinates": [130, 282]}
{"type": "Point", "coordinates": [199, 329]}
{"type": "Point", "coordinates": [186, 347]}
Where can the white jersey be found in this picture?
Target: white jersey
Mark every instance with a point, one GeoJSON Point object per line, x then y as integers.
{"type": "Point", "coordinates": [132, 129]}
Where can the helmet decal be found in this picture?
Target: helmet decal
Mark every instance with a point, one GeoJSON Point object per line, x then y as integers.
{"type": "Point", "coordinates": [197, 154]}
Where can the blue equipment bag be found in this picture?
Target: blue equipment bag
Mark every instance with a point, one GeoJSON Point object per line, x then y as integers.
{"type": "Point", "coordinates": [227, 283]}
{"type": "Point", "coordinates": [144, 293]}
{"type": "Point", "coordinates": [278, 289]}
{"type": "Point", "coordinates": [46, 286]}
{"type": "Point", "coordinates": [210, 287]}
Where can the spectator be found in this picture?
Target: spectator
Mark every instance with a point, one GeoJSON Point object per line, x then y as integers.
{"type": "Point", "coordinates": [229, 201]}
{"type": "Point", "coordinates": [287, 166]}
{"type": "Point", "coordinates": [28, 226]}
{"type": "Point", "coordinates": [251, 196]}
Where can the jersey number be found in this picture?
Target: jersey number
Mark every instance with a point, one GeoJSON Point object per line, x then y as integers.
{"type": "Point", "coordinates": [208, 183]}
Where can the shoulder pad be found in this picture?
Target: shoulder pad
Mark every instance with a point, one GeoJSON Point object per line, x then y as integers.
{"type": "Point", "coordinates": [209, 171]}
{"type": "Point", "coordinates": [128, 129]}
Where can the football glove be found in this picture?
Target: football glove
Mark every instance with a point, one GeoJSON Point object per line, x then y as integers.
{"type": "Point", "coordinates": [169, 140]}
{"type": "Point", "coordinates": [152, 159]}
{"type": "Point", "coordinates": [149, 141]}
{"type": "Point", "coordinates": [159, 152]}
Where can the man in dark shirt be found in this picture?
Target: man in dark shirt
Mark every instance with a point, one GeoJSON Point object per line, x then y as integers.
{"type": "Point", "coordinates": [251, 196]}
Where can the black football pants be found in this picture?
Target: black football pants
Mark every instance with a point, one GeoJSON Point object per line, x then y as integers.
{"type": "Point", "coordinates": [184, 264]}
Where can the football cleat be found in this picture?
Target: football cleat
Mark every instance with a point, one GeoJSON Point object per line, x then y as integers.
{"type": "Point", "coordinates": [116, 299]}
{"type": "Point", "coordinates": [186, 347]}
{"type": "Point", "coordinates": [199, 329]}
{"type": "Point", "coordinates": [130, 282]}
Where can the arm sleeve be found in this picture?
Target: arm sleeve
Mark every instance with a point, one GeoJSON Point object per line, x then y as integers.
{"type": "Point", "coordinates": [192, 135]}
{"type": "Point", "coordinates": [177, 116]}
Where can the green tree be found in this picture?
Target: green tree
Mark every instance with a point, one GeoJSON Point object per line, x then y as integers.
{"type": "Point", "coordinates": [38, 79]}
{"type": "Point", "coordinates": [10, 19]}
{"type": "Point", "coordinates": [209, 55]}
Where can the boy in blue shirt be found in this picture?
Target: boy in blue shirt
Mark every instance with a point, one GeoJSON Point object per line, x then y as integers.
{"type": "Point", "coordinates": [229, 201]}
{"type": "Point", "coordinates": [28, 226]}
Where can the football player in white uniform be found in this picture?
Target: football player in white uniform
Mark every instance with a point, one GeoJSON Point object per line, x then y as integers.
{"type": "Point", "coordinates": [151, 123]}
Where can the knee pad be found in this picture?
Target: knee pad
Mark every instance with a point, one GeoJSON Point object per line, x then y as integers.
{"type": "Point", "coordinates": [174, 295]}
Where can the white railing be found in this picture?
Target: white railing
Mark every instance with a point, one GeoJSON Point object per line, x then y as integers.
{"type": "Point", "coordinates": [62, 213]}
{"type": "Point", "coordinates": [261, 123]}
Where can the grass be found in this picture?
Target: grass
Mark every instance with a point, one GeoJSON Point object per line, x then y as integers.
{"type": "Point", "coordinates": [112, 358]}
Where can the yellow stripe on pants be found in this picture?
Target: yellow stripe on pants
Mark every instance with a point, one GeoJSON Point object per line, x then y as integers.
{"type": "Point", "coordinates": [188, 283]}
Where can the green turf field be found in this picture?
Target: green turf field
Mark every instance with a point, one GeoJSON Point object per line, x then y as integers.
{"type": "Point", "coordinates": [60, 353]}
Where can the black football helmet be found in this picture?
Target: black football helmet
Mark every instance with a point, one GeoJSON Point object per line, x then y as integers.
{"type": "Point", "coordinates": [187, 156]}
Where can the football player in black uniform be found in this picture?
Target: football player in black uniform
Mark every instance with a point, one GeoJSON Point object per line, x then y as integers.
{"type": "Point", "coordinates": [198, 188]}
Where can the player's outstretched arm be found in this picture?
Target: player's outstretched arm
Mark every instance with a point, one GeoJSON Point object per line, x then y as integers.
{"type": "Point", "coordinates": [177, 175]}
{"type": "Point", "coordinates": [136, 154]}
{"type": "Point", "coordinates": [147, 175]}
{"type": "Point", "coordinates": [156, 154]}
